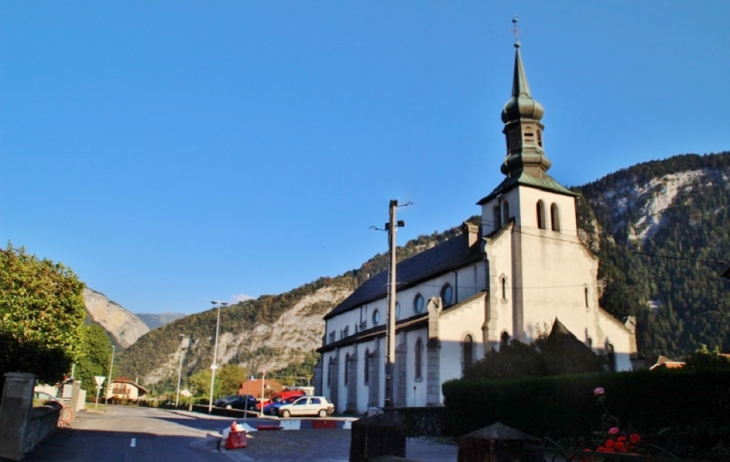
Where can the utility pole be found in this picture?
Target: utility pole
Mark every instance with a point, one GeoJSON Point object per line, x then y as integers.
{"type": "Point", "coordinates": [109, 383]}
{"type": "Point", "coordinates": [179, 371]}
{"type": "Point", "coordinates": [392, 226]}
{"type": "Point", "coordinates": [214, 366]}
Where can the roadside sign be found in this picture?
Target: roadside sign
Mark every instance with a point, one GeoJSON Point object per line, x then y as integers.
{"type": "Point", "coordinates": [99, 380]}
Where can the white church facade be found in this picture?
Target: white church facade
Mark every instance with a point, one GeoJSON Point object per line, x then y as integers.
{"type": "Point", "coordinates": [522, 269]}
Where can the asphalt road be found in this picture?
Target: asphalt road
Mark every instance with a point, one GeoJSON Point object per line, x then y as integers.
{"type": "Point", "coordinates": [134, 434]}
{"type": "Point", "coordinates": [151, 435]}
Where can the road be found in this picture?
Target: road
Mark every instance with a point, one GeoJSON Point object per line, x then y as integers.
{"type": "Point", "coordinates": [152, 435]}
{"type": "Point", "coordinates": [129, 434]}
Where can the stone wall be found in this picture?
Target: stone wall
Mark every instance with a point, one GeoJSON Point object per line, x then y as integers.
{"type": "Point", "coordinates": [43, 421]}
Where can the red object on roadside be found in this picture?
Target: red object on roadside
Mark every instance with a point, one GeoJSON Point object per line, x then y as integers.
{"type": "Point", "coordinates": [236, 440]}
{"type": "Point", "coordinates": [323, 424]}
{"type": "Point", "coordinates": [268, 427]}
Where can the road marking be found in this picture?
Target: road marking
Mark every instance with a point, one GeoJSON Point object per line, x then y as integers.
{"type": "Point", "coordinates": [133, 444]}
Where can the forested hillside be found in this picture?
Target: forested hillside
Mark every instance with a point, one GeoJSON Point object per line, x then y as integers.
{"type": "Point", "coordinates": [660, 229]}
{"type": "Point", "coordinates": [663, 235]}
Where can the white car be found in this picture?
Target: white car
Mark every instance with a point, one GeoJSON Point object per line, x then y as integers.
{"type": "Point", "coordinates": [308, 405]}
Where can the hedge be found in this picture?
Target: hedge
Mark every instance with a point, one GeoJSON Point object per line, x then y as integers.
{"type": "Point", "coordinates": [565, 406]}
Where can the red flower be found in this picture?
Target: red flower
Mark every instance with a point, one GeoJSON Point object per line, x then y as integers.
{"type": "Point", "coordinates": [620, 447]}
{"type": "Point", "coordinates": [609, 443]}
{"type": "Point", "coordinates": [621, 438]}
{"type": "Point", "coordinates": [635, 438]}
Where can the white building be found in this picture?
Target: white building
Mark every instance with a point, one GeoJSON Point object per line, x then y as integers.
{"type": "Point", "coordinates": [524, 268]}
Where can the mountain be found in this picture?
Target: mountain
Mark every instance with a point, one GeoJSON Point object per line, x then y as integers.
{"type": "Point", "coordinates": [154, 321]}
{"type": "Point", "coordinates": [122, 325]}
{"type": "Point", "coordinates": [271, 331]}
{"type": "Point", "coordinates": [660, 229]}
{"type": "Point", "coordinates": [274, 331]}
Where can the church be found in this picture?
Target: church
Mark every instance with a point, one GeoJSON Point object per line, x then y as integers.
{"type": "Point", "coordinates": [519, 273]}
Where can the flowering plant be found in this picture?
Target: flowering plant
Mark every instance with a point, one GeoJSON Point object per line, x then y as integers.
{"type": "Point", "coordinates": [613, 438]}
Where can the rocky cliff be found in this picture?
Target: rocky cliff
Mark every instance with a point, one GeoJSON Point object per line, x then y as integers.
{"type": "Point", "coordinates": [123, 325]}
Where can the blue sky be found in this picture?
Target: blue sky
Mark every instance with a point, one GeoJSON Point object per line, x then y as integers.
{"type": "Point", "coordinates": [172, 153]}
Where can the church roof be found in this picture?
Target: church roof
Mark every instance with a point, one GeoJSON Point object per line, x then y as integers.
{"type": "Point", "coordinates": [447, 256]}
{"type": "Point", "coordinates": [523, 178]}
{"type": "Point", "coordinates": [498, 432]}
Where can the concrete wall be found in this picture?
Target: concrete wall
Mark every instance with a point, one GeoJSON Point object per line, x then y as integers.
{"type": "Point", "coordinates": [22, 426]}
{"type": "Point", "coordinates": [43, 422]}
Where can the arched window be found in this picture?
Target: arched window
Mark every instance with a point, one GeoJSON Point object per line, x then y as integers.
{"type": "Point", "coordinates": [505, 211]}
{"type": "Point", "coordinates": [495, 216]}
{"type": "Point", "coordinates": [397, 310]}
{"type": "Point", "coordinates": [467, 351]}
{"type": "Point", "coordinates": [329, 370]}
{"type": "Point", "coordinates": [419, 359]}
{"type": "Point", "coordinates": [539, 137]}
{"type": "Point", "coordinates": [418, 303]}
{"type": "Point", "coordinates": [611, 357]}
{"type": "Point", "coordinates": [347, 366]}
{"type": "Point", "coordinates": [376, 317]}
{"type": "Point", "coordinates": [366, 373]}
{"type": "Point", "coordinates": [554, 217]}
{"type": "Point", "coordinates": [447, 294]}
{"type": "Point", "coordinates": [585, 294]}
{"type": "Point", "coordinates": [540, 214]}
{"type": "Point", "coordinates": [503, 282]}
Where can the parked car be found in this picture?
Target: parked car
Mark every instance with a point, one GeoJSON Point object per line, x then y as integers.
{"type": "Point", "coordinates": [273, 408]}
{"type": "Point", "coordinates": [221, 402]}
{"type": "Point", "coordinates": [246, 402]}
{"type": "Point", "coordinates": [282, 395]}
{"type": "Point", "coordinates": [308, 405]}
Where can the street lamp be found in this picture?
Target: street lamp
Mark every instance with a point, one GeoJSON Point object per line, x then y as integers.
{"type": "Point", "coordinates": [109, 382]}
{"type": "Point", "coordinates": [214, 366]}
{"type": "Point", "coordinates": [179, 371]}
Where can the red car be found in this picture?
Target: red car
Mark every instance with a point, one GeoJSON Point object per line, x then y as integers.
{"type": "Point", "coordinates": [282, 395]}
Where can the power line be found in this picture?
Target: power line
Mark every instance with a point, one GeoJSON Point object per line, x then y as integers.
{"type": "Point", "coordinates": [667, 257]}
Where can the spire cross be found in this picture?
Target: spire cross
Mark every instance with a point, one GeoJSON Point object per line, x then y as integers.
{"type": "Point", "coordinates": [516, 30]}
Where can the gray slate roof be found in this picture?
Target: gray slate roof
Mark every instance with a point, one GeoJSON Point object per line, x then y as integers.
{"type": "Point", "coordinates": [498, 431]}
{"type": "Point", "coordinates": [445, 257]}
{"type": "Point", "coordinates": [525, 179]}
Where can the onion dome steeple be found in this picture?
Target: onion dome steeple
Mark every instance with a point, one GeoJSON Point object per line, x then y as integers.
{"type": "Point", "coordinates": [523, 130]}
{"type": "Point", "coordinates": [525, 163]}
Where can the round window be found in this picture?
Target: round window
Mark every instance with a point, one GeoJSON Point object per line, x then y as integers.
{"type": "Point", "coordinates": [418, 304]}
{"type": "Point", "coordinates": [446, 293]}
{"type": "Point", "coordinates": [376, 317]}
{"type": "Point", "coordinates": [397, 310]}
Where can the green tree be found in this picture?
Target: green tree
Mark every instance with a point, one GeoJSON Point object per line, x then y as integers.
{"type": "Point", "coordinates": [548, 355]}
{"type": "Point", "coordinates": [41, 312]}
{"type": "Point", "coordinates": [705, 360]}
{"type": "Point", "coordinates": [229, 379]}
{"type": "Point", "coordinates": [200, 384]}
{"type": "Point", "coordinates": [94, 356]}
{"type": "Point", "coordinates": [513, 359]}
